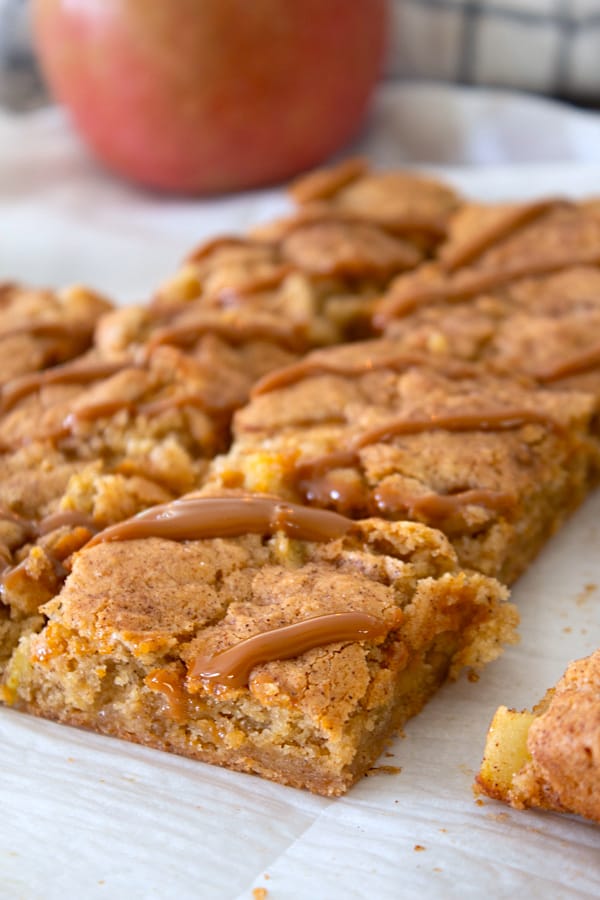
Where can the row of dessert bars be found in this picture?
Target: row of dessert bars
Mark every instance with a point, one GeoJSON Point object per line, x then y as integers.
{"type": "Point", "coordinates": [331, 509]}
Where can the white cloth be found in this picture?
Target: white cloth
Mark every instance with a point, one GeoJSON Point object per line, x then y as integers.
{"type": "Point", "coordinates": [86, 816]}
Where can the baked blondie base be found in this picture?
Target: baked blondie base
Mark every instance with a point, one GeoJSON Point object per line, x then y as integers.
{"type": "Point", "coordinates": [127, 655]}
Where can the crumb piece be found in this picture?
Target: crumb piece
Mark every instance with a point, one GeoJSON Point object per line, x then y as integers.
{"type": "Point", "coordinates": [384, 770]}
{"type": "Point", "coordinates": [583, 596]}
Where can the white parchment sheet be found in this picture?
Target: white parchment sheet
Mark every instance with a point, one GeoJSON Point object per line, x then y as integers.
{"type": "Point", "coordinates": [82, 816]}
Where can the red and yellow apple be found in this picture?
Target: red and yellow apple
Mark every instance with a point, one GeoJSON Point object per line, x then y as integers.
{"type": "Point", "coordinates": [199, 96]}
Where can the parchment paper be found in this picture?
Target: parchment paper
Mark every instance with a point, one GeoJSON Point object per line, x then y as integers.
{"type": "Point", "coordinates": [84, 816]}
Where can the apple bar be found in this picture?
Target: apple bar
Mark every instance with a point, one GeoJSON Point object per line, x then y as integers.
{"type": "Point", "coordinates": [546, 328]}
{"type": "Point", "coordinates": [515, 286]}
{"type": "Point", "coordinates": [491, 247]}
{"type": "Point", "coordinates": [259, 635]}
{"type": "Point", "coordinates": [366, 429]}
{"type": "Point", "coordinates": [549, 758]}
{"type": "Point", "coordinates": [406, 204]}
{"type": "Point", "coordinates": [40, 328]}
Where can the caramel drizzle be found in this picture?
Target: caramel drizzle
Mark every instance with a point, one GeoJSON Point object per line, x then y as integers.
{"type": "Point", "coordinates": [308, 367]}
{"type": "Point", "coordinates": [324, 183]}
{"type": "Point", "coordinates": [233, 332]}
{"type": "Point", "coordinates": [170, 685]}
{"type": "Point", "coordinates": [513, 220]}
{"type": "Point", "coordinates": [469, 284]}
{"type": "Point", "coordinates": [108, 408]}
{"type": "Point", "coordinates": [8, 515]}
{"type": "Point", "coordinates": [577, 364]}
{"type": "Point", "coordinates": [69, 373]}
{"type": "Point", "coordinates": [48, 329]}
{"type": "Point", "coordinates": [491, 420]}
{"type": "Point", "coordinates": [69, 518]}
{"type": "Point", "coordinates": [9, 577]}
{"type": "Point", "coordinates": [234, 294]}
{"type": "Point", "coordinates": [233, 666]}
{"type": "Point", "coordinates": [150, 408]}
{"type": "Point", "coordinates": [48, 523]}
{"type": "Point", "coordinates": [438, 507]}
{"type": "Point", "coordinates": [215, 244]}
{"type": "Point", "coordinates": [195, 518]}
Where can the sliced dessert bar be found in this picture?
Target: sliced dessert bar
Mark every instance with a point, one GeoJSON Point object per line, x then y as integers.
{"type": "Point", "coordinates": [406, 204]}
{"type": "Point", "coordinates": [366, 429]}
{"type": "Point", "coordinates": [321, 268]}
{"type": "Point", "coordinates": [320, 275]}
{"type": "Point", "coordinates": [549, 758]}
{"type": "Point", "coordinates": [548, 328]}
{"type": "Point", "coordinates": [270, 638]}
{"type": "Point", "coordinates": [491, 247]}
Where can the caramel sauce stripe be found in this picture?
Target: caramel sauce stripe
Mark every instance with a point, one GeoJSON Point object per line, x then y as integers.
{"type": "Point", "coordinates": [186, 333]}
{"type": "Point", "coordinates": [577, 364]}
{"type": "Point", "coordinates": [523, 215]}
{"type": "Point", "coordinates": [485, 420]}
{"type": "Point", "coordinates": [233, 666]}
{"type": "Point", "coordinates": [308, 368]}
{"type": "Point", "coordinates": [196, 518]}
{"type": "Point", "coordinates": [466, 285]}
{"type": "Point", "coordinates": [69, 373]}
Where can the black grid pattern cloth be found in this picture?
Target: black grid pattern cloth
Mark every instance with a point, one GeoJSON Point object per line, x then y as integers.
{"type": "Point", "coordinates": [549, 46]}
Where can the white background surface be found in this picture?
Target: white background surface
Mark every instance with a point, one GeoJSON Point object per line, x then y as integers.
{"type": "Point", "coordinates": [83, 816]}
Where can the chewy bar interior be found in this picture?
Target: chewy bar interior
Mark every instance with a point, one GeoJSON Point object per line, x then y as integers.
{"type": "Point", "coordinates": [270, 638]}
{"type": "Point", "coordinates": [549, 758]}
{"type": "Point", "coordinates": [411, 378]}
{"type": "Point", "coordinates": [367, 429]}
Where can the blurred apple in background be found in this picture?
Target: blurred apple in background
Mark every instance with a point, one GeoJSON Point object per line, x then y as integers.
{"type": "Point", "coordinates": [200, 96]}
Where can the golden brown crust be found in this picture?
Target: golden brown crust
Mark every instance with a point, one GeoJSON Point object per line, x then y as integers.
{"type": "Point", "coordinates": [562, 769]}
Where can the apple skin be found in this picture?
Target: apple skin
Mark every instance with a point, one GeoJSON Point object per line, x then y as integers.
{"type": "Point", "coordinates": [205, 96]}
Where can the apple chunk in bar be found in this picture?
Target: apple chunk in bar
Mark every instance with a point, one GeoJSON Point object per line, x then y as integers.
{"type": "Point", "coordinates": [549, 758]}
{"type": "Point", "coordinates": [260, 635]}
